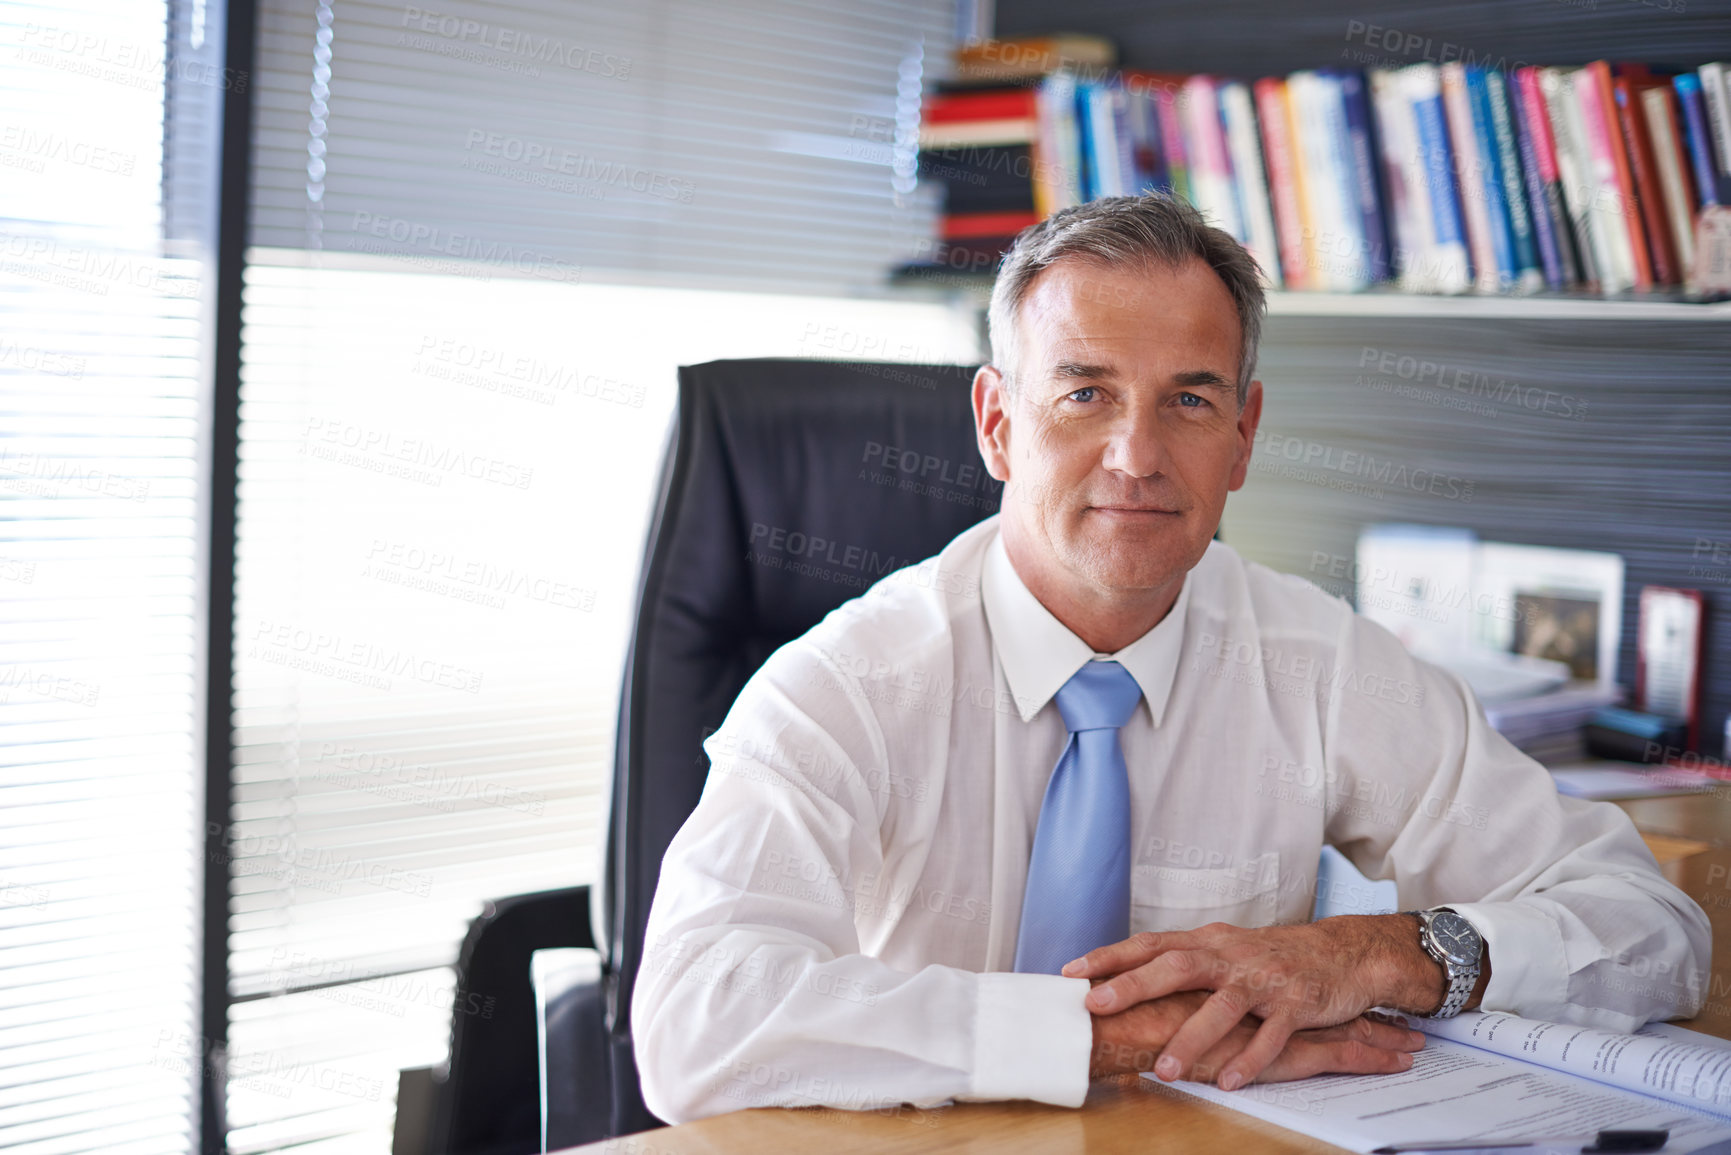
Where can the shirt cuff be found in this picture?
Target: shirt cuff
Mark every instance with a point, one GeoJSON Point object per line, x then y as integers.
{"type": "Point", "coordinates": [1032, 1036]}
{"type": "Point", "coordinates": [1529, 969]}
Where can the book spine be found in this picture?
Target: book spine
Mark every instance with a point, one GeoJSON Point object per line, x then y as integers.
{"type": "Point", "coordinates": [1544, 229]}
{"type": "Point", "coordinates": [1352, 249]}
{"type": "Point", "coordinates": [1548, 205]}
{"type": "Point", "coordinates": [1248, 175]}
{"type": "Point", "coordinates": [1718, 100]}
{"type": "Point", "coordinates": [1610, 138]}
{"type": "Point", "coordinates": [1491, 179]}
{"type": "Point", "coordinates": [1403, 176]}
{"type": "Point", "coordinates": [1659, 107]}
{"type": "Point", "coordinates": [1205, 144]}
{"type": "Point", "coordinates": [1617, 273]}
{"type": "Point", "coordinates": [1470, 168]}
{"type": "Point", "coordinates": [1510, 168]}
{"type": "Point", "coordinates": [1644, 176]}
{"type": "Point", "coordinates": [1086, 142]}
{"type": "Point", "coordinates": [1297, 85]}
{"type": "Point", "coordinates": [1372, 222]}
{"type": "Point", "coordinates": [1452, 267]}
{"type": "Point", "coordinates": [1172, 148]}
{"type": "Point", "coordinates": [1699, 137]}
{"type": "Point", "coordinates": [1574, 167]}
{"type": "Point", "coordinates": [1272, 118]}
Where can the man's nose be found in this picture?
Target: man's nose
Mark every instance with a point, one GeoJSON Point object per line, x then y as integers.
{"type": "Point", "coordinates": [1134, 446]}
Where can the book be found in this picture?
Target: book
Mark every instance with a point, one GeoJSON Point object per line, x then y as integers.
{"type": "Point", "coordinates": [1320, 121]}
{"type": "Point", "coordinates": [1361, 167]}
{"type": "Point", "coordinates": [1607, 206]}
{"type": "Point", "coordinates": [1248, 178]}
{"type": "Point", "coordinates": [1528, 272]}
{"type": "Point", "coordinates": [1548, 205]}
{"type": "Point", "coordinates": [1499, 1076]}
{"type": "Point", "coordinates": [1644, 174]}
{"type": "Point", "coordinates": [1409, 224]}
{"type": "Point", "coordinates": [1274, 120]}
{"type": "Point", "coordinates": [1447, 265]}
{"type": "Point", "coordinates": [1470, 170]}
{"type": "Point", "coordinates": [1211, 184]}
{"type": "Point", "coordinates": [1670, 157]}
{"type": "Point", "coordinates": [1497, 208]}
{"type": "Point", "coordinates": [1699, 136]}
{"type": "Point", "coordinates": [1594, 86]}
{"type": "Point", "coordinates": [995, 61]}
{"type": "Point", "coordinates": [1570, 137]}
{"type": "Point", "coordinates": [1718, 103]}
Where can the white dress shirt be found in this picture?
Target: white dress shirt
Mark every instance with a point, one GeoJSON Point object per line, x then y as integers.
{"type": "Point", "coordinates": [836, 922]}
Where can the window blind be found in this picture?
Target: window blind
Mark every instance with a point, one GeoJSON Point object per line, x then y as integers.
{"type": "Point", "coordinates": [769, 144]}
{"type": "Point", "coordinates": [101, 604]}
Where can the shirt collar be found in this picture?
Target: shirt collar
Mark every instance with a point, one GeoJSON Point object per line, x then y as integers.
{"type": "Point", "coordinates": [1039, 653]}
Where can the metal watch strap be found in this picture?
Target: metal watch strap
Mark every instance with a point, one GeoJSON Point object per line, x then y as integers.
{"type": "Point", "coordinates": [1461, 979]}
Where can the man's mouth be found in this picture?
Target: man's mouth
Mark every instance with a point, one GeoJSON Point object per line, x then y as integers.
{"type": "Point", "coordinates": [1133, 510]}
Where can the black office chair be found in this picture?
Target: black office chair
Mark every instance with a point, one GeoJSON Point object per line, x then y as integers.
{"type": "Point", "coordinates": [789, 487]}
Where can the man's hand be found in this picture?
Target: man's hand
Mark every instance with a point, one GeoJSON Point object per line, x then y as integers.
{"type": "Point", "coordinates": [1131, 1040]}
{"type": "Point", "coordinates": [1293, 978]}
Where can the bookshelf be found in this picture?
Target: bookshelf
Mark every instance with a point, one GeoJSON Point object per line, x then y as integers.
{"type": "Point", "coordinates": [1644, 465]}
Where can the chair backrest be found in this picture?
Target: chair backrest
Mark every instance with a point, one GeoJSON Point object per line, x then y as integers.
{"type": "Point", "coordinates": [790, 487]}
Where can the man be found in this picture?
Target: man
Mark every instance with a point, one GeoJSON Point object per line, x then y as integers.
{"type": "Point", "coordinates": [1050, 805]}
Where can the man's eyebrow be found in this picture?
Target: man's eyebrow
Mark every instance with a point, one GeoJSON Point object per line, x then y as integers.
{"type": "Point", "coordinates": [1078, 369]}
{"type": "Point", "coordinates": [1203, 379]}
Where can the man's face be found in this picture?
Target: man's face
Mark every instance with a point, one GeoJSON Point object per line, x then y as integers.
{"type": "Point", "coordinates": [1123, 433]}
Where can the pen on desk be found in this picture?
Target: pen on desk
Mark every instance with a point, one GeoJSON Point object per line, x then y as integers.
{"type": "Point", "coordinates": [1605, 1141]}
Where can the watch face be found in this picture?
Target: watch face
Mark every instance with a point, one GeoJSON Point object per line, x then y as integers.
{"type": "Point", "coordinates": [1456, 938]}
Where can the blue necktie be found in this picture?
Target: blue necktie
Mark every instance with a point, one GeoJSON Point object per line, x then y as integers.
{"type": "Point", "coordinates": [1078, 894]}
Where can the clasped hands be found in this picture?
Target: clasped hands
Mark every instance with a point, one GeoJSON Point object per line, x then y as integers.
{"type": "Point", "coordinates": [1269, 1004]}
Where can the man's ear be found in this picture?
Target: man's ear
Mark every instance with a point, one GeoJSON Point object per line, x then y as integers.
{"type": "Point", "coordinates": [992, 420]}
{"type": "Point", "coordinates": [1249, 415]}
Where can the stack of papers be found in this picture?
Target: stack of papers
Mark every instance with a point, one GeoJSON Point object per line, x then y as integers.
{"type": "Point", "coordinates": [1549, 726]}
{"type": "Point", "coordinates": [1496, 1076]}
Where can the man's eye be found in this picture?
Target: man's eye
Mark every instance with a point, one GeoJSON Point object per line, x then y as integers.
{"type": "Point", "coordinates": [1084, 394]}
{"type": "Point", "coordinates": [1191, 400]}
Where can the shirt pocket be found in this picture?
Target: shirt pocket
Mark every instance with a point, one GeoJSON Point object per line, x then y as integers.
{"type": "Point", "coordinates": [1166, 897]}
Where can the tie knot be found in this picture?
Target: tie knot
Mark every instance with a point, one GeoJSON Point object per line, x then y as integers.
{"type": "Point", "coordinates": [1099, 696]}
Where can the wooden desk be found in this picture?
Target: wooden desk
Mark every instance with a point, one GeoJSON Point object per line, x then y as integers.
{"type": "Point", "coordinates": [1132, 1114]}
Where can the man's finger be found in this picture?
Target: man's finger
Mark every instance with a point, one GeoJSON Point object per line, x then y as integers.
{"type": "Point", "coordinates": [1174, 970]}
{"type": "Point", "coordinates": [1264, 1047]}
{"type": "Point", "coordinates": [1306, 1057]}
{"type": "Point", "coordinates": [1200, 1032]}
{"type": "Point", "coordinates": [1121, 956]}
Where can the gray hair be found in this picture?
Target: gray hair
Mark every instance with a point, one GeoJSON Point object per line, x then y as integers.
{"type": "Point", "coordinates": [1152, 229]}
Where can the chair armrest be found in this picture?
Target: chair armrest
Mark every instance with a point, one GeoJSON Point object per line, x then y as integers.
{"type": "Point", "coordinates": [576, 1084]}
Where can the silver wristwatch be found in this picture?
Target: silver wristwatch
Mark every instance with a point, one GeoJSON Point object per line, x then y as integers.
{"type": "Point", "coordinates": [1452, 942]}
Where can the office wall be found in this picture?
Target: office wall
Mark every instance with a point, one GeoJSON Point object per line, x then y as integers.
{"type": "Point", "coordinates": [1579, 434]}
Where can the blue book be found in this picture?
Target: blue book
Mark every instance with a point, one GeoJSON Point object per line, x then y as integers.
{"type": "Point", "coordinates": [1362, 168]}
{"type": "Point", "coordinates": [1551, 253]}
{"type": "Point", "coordinates": [1509, 165]}
{"type": "Point", "coordinates": [1439, 162]}
{"type": "Point", "coordinates": [1689, 95]}
{"type": "Point", "coordinates": [1490, 183]}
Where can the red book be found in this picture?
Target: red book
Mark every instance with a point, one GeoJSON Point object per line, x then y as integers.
{"type": "Point", "coordinates": [962, 225]}
{"type": "Point", "coordinates": [998, 104]}
{"type": "Point", "coordinates": [1277, 145]}
{"type": "Point", "coordinates": [1644, 170]}
{"type": "Point", "coordinates": [1600, 72]}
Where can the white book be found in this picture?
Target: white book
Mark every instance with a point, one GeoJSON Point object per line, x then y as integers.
{"type": "Point", "coordinates": [1409, 194]}
{"type": "Point", "coordinates": [1716, 91]}
{"type": "Point", "coordinates": [1672, 177]}
{"type": "Point", "coordinates": [1470, 171]}
{"type": "Point", "coordinates": [1496, 1076]}
{"type": "Point", "coordinates": [1336, 243]}
{"type": "Point", "coordinates": [1245, 148]}
{"type": "Point", "coordinates": [1210, 167]}
{"type": "Point", "coordinates": [1571, 143]}
{"type": "Point", "coordinates": [1447, 268]}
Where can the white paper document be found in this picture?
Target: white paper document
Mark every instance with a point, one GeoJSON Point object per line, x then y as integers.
{"type": "Point", "coordinates": [1495, 1076]}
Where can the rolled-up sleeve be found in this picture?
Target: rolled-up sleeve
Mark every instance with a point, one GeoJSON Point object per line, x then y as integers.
{"type": "Point", "coordinates": [754, 989]}
{"type": "Point", "coordinates": [1580, 925]}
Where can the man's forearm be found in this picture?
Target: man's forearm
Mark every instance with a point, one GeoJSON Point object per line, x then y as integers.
{"type": "Point", "coordinates": [1407, 978]}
